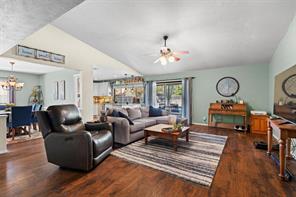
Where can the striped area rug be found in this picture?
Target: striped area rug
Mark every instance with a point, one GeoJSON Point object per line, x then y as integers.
{"type": "Point", "coordinates": [196, 160]}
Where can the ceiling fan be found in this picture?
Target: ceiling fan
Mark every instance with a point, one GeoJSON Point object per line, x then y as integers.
{"type": "Point", "coordinates": [167, 55]}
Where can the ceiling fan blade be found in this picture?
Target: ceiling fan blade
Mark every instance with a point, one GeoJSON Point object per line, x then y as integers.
{"type": "Point", "coordinates": [163, 60]}
{"type": "Point", "coordinates": [177, 58]}
{"type": "Point", "coordinates": [158, 59]}
{"type": "Point", "coordinates": [181, 52]}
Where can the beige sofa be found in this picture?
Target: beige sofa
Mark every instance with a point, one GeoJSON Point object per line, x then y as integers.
{"type": "Point", "coordinates": [124, 133]}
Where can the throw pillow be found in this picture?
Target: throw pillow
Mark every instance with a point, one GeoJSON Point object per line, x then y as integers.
{"type": "Point", "coordinates": [134, 113]}
{"type": "Point", "coordinates": [123, 110]}
{"type": "Point", "coordinates": [109, 111]}
{"type": "Point", "coordinates": [145, 112]}
{"type": "Point", "coordinates": [126, 117]}
{"type": "Point", "coordinates": [115, 113]}
{"type": "Point", "coordinates": [153, 112]}
{"type": "Point", "coordinates": [164, 112]}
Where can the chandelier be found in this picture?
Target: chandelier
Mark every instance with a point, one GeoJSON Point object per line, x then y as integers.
{"type": "Point", "coordinates": [11, 83]}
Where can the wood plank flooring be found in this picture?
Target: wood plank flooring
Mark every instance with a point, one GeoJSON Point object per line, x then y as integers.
{"type": "Point", "coordinates": [243, 171]}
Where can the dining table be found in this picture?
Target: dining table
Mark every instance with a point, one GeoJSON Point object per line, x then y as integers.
{"type": "Point", "coordinates": [4, 112]}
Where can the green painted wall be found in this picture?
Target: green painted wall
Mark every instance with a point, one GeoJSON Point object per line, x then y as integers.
{"type": "Point", "coordinates": [30, 80]}
{"type": "Point", "coordinates": [253, 81]}
{"type": "Point", "coordinates": [46, 82]}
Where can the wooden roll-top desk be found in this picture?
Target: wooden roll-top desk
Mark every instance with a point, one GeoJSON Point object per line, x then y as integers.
{"type": "Point", "coordinates": [231, 109]}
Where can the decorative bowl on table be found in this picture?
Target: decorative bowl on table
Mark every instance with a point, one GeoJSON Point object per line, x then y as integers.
{"type": "Point", "coordinates": [178, 127]}
{"type": "Point", "coordinates": [170, 130]}
{"type": "Point", "coordinates": [167, 130]}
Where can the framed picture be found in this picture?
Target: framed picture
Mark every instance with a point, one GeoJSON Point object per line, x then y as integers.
{"type": "Point", "coordinates": [57, 58]}
{"type": "Point", "coordinates": [44, 55]}
{"type": "Point", "coordinates": [25, 51]}
{"type": "Point", "coordinates": [62, 90]}
{"type": "Point", "coordinates": [56, 90]}
{"type": "Point", "coordinates": [77, 90]}
{"type": "Point", "coordinates": [40, 54]}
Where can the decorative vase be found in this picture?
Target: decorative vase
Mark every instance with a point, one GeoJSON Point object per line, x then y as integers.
{"type": "Point", "coordinates": [172, 120]}
{"type": "Point", "coordinates": [103, 117]}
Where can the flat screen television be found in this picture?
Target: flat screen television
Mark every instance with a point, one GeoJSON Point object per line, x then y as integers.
{"type": "Point", "coordinates": [285, 95]}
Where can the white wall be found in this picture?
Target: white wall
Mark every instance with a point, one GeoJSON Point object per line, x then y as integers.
{"type": "Point", "coordinates": [30, 80]}
{"type": "Point", "coordinates": [47, 81]}
{"type": "Point", "coordinates": [283, 59]}
{"type": "Point", "coordinates": [79, 55]}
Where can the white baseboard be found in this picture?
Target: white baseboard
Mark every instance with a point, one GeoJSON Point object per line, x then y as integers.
{"type": "Point", "coordinates": [198, 123]}
{"type": "Point", "coordinates": [3, 151]}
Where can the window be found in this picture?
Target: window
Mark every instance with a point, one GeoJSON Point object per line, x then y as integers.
{"type": "Point", "coordinates": [4, 96]}
{"type": "Point", "coordinates": [124, 95]}
{"type": "Point", "coordinates": [169, 96]}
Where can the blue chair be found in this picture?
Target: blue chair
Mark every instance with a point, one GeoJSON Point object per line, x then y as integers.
{"type": "Point", "coordinates": [20, 118]}
{"type": "Point", "coordinates": [35, 108]}
{"type": "Point", "coordinates": [2, 107]}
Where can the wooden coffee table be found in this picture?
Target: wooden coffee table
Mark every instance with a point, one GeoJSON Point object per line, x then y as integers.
{"type": "Point", "coordinates": [156, 130]}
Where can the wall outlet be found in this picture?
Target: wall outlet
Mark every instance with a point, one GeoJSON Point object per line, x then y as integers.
{"type": "Point", "coordinates": [204, 119]}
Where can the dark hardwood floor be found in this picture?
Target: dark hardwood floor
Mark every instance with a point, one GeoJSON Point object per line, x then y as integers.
{"type": "Point", "coordinates": [243, 171]}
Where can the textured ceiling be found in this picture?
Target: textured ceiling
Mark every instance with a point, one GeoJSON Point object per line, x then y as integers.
{"type": "Point", "coordinates": [217, 33]}
{"type": "Point", "coordinates": [20, 18]}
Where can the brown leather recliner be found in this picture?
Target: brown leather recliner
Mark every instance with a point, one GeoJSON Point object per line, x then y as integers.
{"type": "Point", "coordinates": [71, 144]}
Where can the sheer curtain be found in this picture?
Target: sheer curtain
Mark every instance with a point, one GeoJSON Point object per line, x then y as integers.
{"type": "Point", "coordinates": [187, 99]}
{"type": "Point", "coordinates": [150, 93]}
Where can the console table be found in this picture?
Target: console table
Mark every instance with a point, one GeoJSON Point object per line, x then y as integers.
{"type": "Point", "coordinates": [286, 131]}
{"type": "Point", "coordinates": [227, 109]}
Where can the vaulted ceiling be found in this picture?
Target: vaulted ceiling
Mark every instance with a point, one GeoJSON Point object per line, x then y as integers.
{"type": "Point", "coordinates": [217, 33]}
{"type": "Point", "coordinates": [20, 18]}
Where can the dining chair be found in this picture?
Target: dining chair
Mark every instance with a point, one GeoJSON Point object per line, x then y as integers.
{"type": "Point", "coordinates": [20, 119]}
{"type": "Point", "coordinates": [2, 107]}
{"type": "Point", "coordinates": [35, 108]}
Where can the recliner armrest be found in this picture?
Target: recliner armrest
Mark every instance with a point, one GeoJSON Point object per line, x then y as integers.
{"type": "Point", "coordinates": [67, 136]}
{"type": "Point", "coordinates": [93, 126]}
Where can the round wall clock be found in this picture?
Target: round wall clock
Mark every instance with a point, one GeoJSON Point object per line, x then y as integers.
{"type": "Point", "coordinates": [227, 86]}
{"type": "Point", "coordinates": [289, 86]}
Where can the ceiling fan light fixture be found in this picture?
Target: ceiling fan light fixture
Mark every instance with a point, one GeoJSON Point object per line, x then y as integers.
{"type": "Point", "coordinates": [171, 59]}
{"type": "Point", "coordinates": [167, 55]}
{"type": "Point", "coordinates": [163, 61]}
